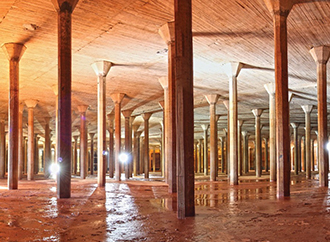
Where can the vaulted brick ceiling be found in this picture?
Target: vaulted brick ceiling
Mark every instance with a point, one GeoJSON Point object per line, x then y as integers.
{"type": "Point", "coordinates": [126, 33]}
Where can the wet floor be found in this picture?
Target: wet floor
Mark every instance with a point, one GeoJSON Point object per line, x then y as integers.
{"type": "Point", "coordinates": [144, 211]}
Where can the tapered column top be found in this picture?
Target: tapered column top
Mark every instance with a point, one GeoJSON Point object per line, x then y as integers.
{"type": "Point", "coordinates": [320, 54]}
{"type": "Point", "coordinates": [270, 88]}
{"type": "Point", "coordinates": [146, 116]}
{"type": "Point", "coordinates": [307, 108]}
{"type": "Point", "coordinates": [135, 127]}
{"type": "Point", "coordinates": [167, 32]}
{"type": "Point", "coordinates": [82, 108]}
{"type": "Point", "coordinates": [294, 125]}
{"type": "Point", "coordinates": [226, 103]}
{"type": "Point", "coordinates": [205, 126]}
{"type": "Point", "coordinates": [21, 107]}
{"type": "Point", "coordinates": [163, 82]}
{"type": "Point", "coordinates": [127, 113]}
{"type": "Point", "coordinates": [280, 7]}
{"type": "Point", "coordinates": [101, 68]}
{"type": "Point", "coordinates": [55, 89]}
{"type": "Point", "coordinates": [212, 98]}
{"type": "Point", "coordinates": [233, 69]}
{"type": "Point", "coordinates": [31, 103]}
{"type": "Point", "coordinates": [61, 5]}
{"type": "Point", "coordinates": [47, 119]}
{"type": "Point", "coordinates": [91, 135]}
{"type": "Point", "coordinates": [14, 51]}
{"type": "Point", "coordinates": [257, 112]}
{"type": "Point", "coordinates": [111, 116]}
{"type": "Point", "coordinates": [290, 96]}
{"type": "Point", "coordinates": [117, 97]}
{"type": "Point", "coordinates": [161, 104]}
{"type": "Point", "coordinates": [3, 116]}
{"type": "Point", "coordinates": [240, 122]}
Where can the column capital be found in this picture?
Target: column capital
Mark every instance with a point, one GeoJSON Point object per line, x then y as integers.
{"type": "Point", "coordinates": [212, 98]}
{"type": "Point", "coordinates": [135, 127]}
{"type": "Point", "coordinates": [117, 97]}
{"type": "Point", "coordinates": [14, 51]}
{"type": "Point", "coordinates": [280, 7]}
{"type": "Point", "coordinates": [127, 113]}
{"type": "Point", "coordinates": [137, 134]}
{"type": "Point", "coordinates": [31, 103]}
{"type": "Point", "coordinates": [61, 5]}
{"type": "Point", "coordinates": [21, 107]}
{"type": "Point", "coordinates": [294, 125]}
{"type": "Point", "coordinates": [257, 112]}
{"type": "Point", "coordinates": [91, 135]}
{"type": "Point", "coordinates": [82, 108]}
{"type": "Point", "coordinates": [205, 126]}
{"type": "Point", "coordinates": [290, 96]}
{"type": "Point", "coordinates": [320, 54]}
{"type": "Point", "coordinates": [232, 69]}
{"type": "Point", "coordinates": [55, 89]}
{"type": "Point", "coordinates": [270, 88]}
{"type": "Point", "coordinates": [161, 104]}
{"type": "Point", "coordinates": [226, 103]}
{"type": "Point", "coordinates": [307, 108]}
{"type": "Point", "coordinates": [3, 116]}
{"type": "Point", "coordinates": [146, 116]}
{"type": "Point", "coordinates": [47, 119]}
{"type": "Point", "coordinates": [240, 122]}
{"type": "Point", "coordinates": [163, 82]}
{"type": "Point", "coordinates": [102, 67]}
{"type": "Point", "coordinates": [167, 32]}
{"type": "Point", "coordinates": [111, 116]}
{"type": "Point", "coordinates": [75, 137]}
{"type": "Point", "coordinates": [245, 133]}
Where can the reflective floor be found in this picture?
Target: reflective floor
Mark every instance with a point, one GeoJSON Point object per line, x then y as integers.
{"type": "Point", "coordinates": [138, 210]}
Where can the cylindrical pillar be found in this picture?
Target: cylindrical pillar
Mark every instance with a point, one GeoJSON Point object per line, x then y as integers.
{"type": "Point", "coordinates": [31, 149]}
{"type": "Point", "coordinates": [257, 113]}
{"type": "Point", "coordinates": [14, 52]}
{"type": "Point", "coordinates": [321, 56]}
{"type": "Point", "coordinates": [117, 98]}
{"type": "Point", "coordinates": [47, 148]}
{"type": "Point", "coordinates": [83, 141]}
{"type": "Point", "coordinates": [91, 165]}
{"type": "Point", "coordinates": [296, 148]}
{"type": "Point", "coordinates": [280, 11]}
{"type": "Point", "coordinates": [64, 10]}
{"type": "Point", "coordinates": [212, 100]}
{"type": "Point", "coordinates": [205, 153]}
{"type": "Point", "coordinates": [270, 88]}
{"type": "Point", "coordinates": [20, 142]}
{"type": "Point", "coordinates": [111, 117]}
{"type": "Point", "coordinates": [146, 117]}
{"type": "Point", "coordinates": [2, 146]}
{"type": "Point", "coordinates": [245, 152]}
{"type": "Point", "coordinates": [101, 69]}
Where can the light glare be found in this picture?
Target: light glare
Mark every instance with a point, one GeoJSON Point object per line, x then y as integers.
{"type": "Point", "coordinates": [123, 157]}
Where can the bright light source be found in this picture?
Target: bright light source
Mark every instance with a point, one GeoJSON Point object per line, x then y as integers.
{"type": "Point", "coordinates": [328, 146]}
{"type": "Point", "coordinates": [105, 152]}
{"type": "Point", "coordinates": [123, 157]}
{"type": "Point", "coordinates": [54, 169]}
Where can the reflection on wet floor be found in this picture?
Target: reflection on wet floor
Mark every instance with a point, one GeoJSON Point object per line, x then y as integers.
{"type": "Point", "coordinates": [145, 211]}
